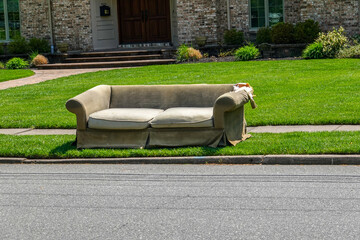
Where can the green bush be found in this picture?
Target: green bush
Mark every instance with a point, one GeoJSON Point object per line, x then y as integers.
{"type": "Point", "coordinates": [32, 55]}
{"type": "Point", "coordinates": [182, 54]}
{"type": "Point", "coordinates": [247, 53]}
{"type": "Point", "coordinates": [18, 45]}
{"type": "Point", "coordinates": [2, 50]}
{"type": "Point", "coordinates": [333, 42]}
{"type": "Point", "coordinates": [356, 38]}
{"type": "Point", "coordinates": [233, 37]}
{"type": "Point", "coordinates": [349, 52]}
{"type": "Point", "coordinates": [263, 35]}
{"type": "Point", "coordinates": [39, 45]}
{"type": "Point", "coordinates": [227, 53]}
{"type": "Point", "coordinates": [185, 53]}
{"type": "Point", "coordinates": [313, 51]}
{"type": "Point", "coordinates": [2, 65]}
{"type": "Point", "coordinates": [282, 33]}
{"type": "Point", "coordinates": [306, 32]}
{"type": "Point", "coordinates": [17, 63]}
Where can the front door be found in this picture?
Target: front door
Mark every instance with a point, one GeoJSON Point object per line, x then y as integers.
{"type": "Point", "coordinates": [144, 21]}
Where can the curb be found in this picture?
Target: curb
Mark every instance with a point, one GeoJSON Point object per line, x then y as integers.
{"type": "Point", "coordinates": [247, 159]}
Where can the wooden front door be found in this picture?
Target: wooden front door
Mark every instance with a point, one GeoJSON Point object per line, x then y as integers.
{"type": "Point", "coordinates": [144, 21]}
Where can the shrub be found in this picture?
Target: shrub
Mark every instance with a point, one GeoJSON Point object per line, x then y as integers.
{"type": "Point", "coordinates": [194, 54]}
{"type": "Point", "coordinates": [349, 52]}
{"type": "Point", "coordinates": [282, 33]}
{"type": "Point", "coordinates": [263, 35]}
{"type": "Point", "coordinates": [18, 46]}
{"type": "Point", "coordinates": [247, 53]}
{"type": "Point", "coordinates": [182, 53]}
{"type": "Point", "coordinates": [306, 32]}
{"type": "Point", "coordinates": [333, 42]}
{"type": "Point", "coordinates": [32, 55]}
{"type": "Point", "coordinates": [356, 38]}
{"type": "Point", "coordinates": [185, 53]}
{"type": "Point", "coordinates": [233, 37]}
{"type": "Point", "coordinates": [2, 65]}
{"type": "Point", "coordinates": [313, 51]}
{"type": "Point", "coordinates": [39, 60]}
{"type": "Point", "coordinates": [17, 63]}
{"type": "Point", "coordinates": [2, 50]}
{"type": "Point", "coordinates": [227, 53]}
{"type": "Point", "coordinates": [39, 45]}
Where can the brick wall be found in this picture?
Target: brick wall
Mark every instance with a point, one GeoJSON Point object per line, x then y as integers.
{"type": "Point", "coordinates": [330, 13]}
{"type": "Point", "coordinates": [71, 22]}
{"type": "Point", "coordinates": [197, 18]}
{"type": "Point", "coordinates": [34, 19]}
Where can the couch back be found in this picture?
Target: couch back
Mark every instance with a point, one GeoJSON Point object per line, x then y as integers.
{"type": "Point", "coordinates": [166, 96]}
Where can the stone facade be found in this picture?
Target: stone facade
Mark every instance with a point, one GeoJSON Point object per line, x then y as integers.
{"type": "Point", "coordinates": [71, 22]}
{"type": "Point", "coordinates": [72, 19]}
{"type": "Point", "coordinates": [34, 25]}
{"type": "Point", "coordinates": [330, 13]}
{"type": "Point", "coordinates": [196, 18]}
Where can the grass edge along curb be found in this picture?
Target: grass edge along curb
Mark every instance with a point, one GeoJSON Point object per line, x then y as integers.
{"type": "Point", "coordinates": [296, 143]}
{"type": "Point", "coordinates": [326, 159]}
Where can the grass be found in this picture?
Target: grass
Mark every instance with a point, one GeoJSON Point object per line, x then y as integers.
{"type": "Point", "coordinates": [59, 146]}
{"type": "Point", "coordinates": [6, 75]}
{"type": "Point", "coordinates": [288, 92]}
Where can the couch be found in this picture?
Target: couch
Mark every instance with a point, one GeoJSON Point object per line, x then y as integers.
{"type": "Point", "coordinates": [138, 116]}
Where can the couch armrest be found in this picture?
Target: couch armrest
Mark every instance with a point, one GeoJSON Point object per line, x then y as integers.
{"type": "Point", "coordinates": [93, 100]}
{"type": "Point", "coordinates": [226, 103]}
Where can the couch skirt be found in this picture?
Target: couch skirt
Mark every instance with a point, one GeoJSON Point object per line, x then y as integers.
{"type": "Point", "coordinates": [152, 137]}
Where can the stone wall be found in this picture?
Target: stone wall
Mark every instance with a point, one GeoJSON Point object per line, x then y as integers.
{"type": "Point", "coordinates": [71, 22]}
{"type": "Point", "coordinates": [197, 18]}
{"type": "Point", "coordinates": [72, 19]}
{"type": "Point", "coordinates": [330, 13]}
{"type": "Point", "coordinates": [292, 11]}
{"type": "Point", "coordinates": [34, 17]}
{"type": "Point", "coordinates": [201, 17]}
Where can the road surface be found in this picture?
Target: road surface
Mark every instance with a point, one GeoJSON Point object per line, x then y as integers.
{"type": "Point", "coordinates": [179, 202]}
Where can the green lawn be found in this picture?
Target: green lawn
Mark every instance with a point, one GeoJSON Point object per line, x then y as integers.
{"type": "Point", "coordinates": [6, 75]}
{"type": "Point", "coordinates": [288, 92]}
{"type": "Point", "coordinates": [59, 146]}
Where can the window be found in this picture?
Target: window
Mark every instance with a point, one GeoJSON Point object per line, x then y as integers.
{"type": "Point", "coordinates": [9, 19]}
{"type": "Point", "coordinates": [264, 13]}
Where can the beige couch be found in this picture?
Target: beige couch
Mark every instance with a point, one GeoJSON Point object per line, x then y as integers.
{"type": "Point", "coordinates": [139, 116]}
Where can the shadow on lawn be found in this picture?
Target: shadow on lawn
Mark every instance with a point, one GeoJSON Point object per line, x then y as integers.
{"type": "Point", "coordinates": [69, 150]}
{"type": "Point", "coordinates": [63, 150]}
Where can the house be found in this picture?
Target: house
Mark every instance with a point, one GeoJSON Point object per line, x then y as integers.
{"type": "Point", "coordinates": [108, 24]}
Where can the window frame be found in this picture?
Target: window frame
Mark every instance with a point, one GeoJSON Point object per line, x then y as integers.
{"type": "Point", "coordinates": [6, 22]}
{"type": "Point", "coordinates": [266, 5]}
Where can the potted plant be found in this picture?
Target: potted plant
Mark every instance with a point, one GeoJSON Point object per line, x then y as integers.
{"type": "Point", "coordinates": [63, 47]}
{"type": "Point", "coordinates": [201, 41]}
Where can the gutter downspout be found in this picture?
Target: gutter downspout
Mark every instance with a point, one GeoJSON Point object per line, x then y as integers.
{"type": "Point", "coordinates": [228, 14]}
{"type": "Point", "coordinates": [51, 28]}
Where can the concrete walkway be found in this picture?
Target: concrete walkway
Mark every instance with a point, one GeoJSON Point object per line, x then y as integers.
{"type": "Point", "coordinates": [45, 75]}
{"type": "Point", "coordinates": [260, 129]}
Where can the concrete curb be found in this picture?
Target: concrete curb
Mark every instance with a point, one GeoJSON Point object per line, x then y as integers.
{"type": "Point", "coordinates": [248, 159]}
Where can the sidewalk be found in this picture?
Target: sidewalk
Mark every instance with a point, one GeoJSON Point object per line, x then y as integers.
{"type": "Point", "coordinates": [260, 129]}
{"type": "Point", "coordinates": [45, 75]}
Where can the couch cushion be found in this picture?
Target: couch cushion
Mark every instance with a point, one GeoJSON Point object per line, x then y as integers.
{"type": "Point", "coordinates": [184, 117]}
{"type": "Point", "coordinates": [122, 118]}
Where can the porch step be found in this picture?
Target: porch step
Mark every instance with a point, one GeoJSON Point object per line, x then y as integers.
{"type": "Point", "coordinates": [107, 64]}
{"type": "Point", "coordinates": [117, 53]}
{"type": "Point", "coordinates": [111, 58]}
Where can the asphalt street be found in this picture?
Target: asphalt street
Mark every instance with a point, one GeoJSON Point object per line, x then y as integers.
{"type": "Point", "coordinates": [179, 202]}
